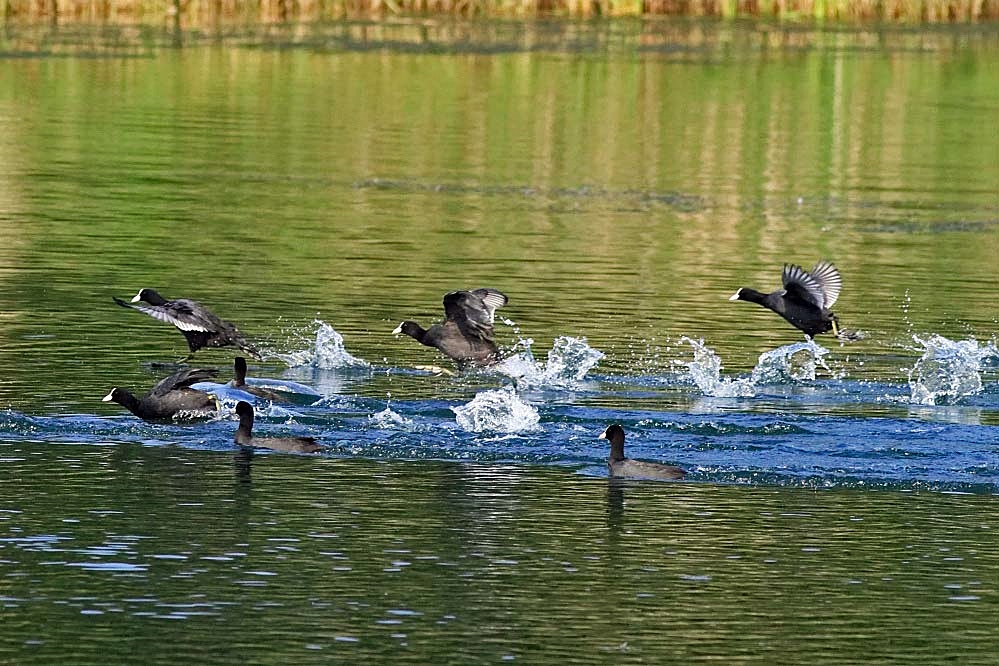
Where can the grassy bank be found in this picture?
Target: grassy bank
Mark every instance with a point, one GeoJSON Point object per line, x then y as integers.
{"type": "Point", "coordinates": [198, 12]}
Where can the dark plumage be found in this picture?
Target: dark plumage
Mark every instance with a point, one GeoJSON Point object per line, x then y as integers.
{"type": "Point", "coordinates": [199, 325]}
{"type": "Point", "coordinates": [620, 466]}
{"type": "Point", "coordinates": [244, 435]}
{"type": "Point", "coordinates": [239, 381]}
{"type": "Point", "coordinates": [466, 334]}
{"type": "Point", "coordinates": [805, 299]}
{"type": "Point", "coordinates": [169, 397]}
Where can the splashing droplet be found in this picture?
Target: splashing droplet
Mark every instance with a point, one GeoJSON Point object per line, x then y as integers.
{"type": "Point", "coordinates": [568, 362]}
{"type": "Point", "coordinates": [705, 371]}
{"type": "Point", "coordinates": [791, 363]}
{"type": "Point", "coordinates": [948, 370]}
{"type": "Point", "coordinates": [389, 419]}
{"type": "Point", "coordinates": [498, 410]}
{"type": "Point", "coordinates": [326, 353]}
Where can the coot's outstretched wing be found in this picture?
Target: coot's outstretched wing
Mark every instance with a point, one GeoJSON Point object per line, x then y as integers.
{"type": "Point", "coordinates": [185, 314]}
{"type": "Point", "coordinates": [829, 281]}
{"type": "Point", "coordinates": [801, 286]}
{"type": "Point", "coordinates": [182, 379]}
{"type": "Point", "coordinates": [473, 311]}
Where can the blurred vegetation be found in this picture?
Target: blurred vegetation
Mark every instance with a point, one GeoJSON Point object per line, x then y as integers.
{"type": "Point", "coordinates": [192, 13]}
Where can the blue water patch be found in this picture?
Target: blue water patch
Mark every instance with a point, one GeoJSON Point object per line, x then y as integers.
{"type": "Point", "coordinates": [794, 420]}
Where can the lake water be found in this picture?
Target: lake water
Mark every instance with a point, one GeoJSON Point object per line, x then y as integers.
{"type": "Point", "coordinates": [317, 185]}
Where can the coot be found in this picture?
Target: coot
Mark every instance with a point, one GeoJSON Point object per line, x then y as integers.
{"type": "Point", "coordinates": [466, 334]}
{"type": "Point", "coordinates": [805, 299]}
{"type": "Point", "coordinates": [199, 325]}
{"type": "Point", "coordinates": [170, 397]}
{"type": "Point", "coordinates": [244, 435]}
{"type": "Point", "coordinates": [619, 466]}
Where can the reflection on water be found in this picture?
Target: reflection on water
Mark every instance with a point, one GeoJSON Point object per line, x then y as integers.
{"type": "Point", "coordinates": [618, 182]}
{"type": "Point", "coordinates": [410, 560]}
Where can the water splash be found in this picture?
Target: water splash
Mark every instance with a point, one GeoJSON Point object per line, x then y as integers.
{"type": "Point", "coordinates": [791, 363]}
{"type": "Point", "coordinates": [705, 371]}
{"type": "Point", "coordinates": [568, 362]}
{"type": "Point", "coordinates": [785, 365]}
{"type": "Point", "coordinates": [948, 370]}
{"type": "Point", "coordinates": [389, 419]}
{"type": "Point", "coordinates": [326, 353]}
{"type": "Point", "coordinates": [498, 410]}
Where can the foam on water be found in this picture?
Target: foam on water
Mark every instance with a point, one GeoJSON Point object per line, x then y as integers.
{"type": "Point", "coordinates": [497, 410]}
{"type": "Point", "coordinates": [568, 362]}
{"type": "Point", "coordinates": [326, 353]}
{"type": "Point", "coordinates": [948, 370]}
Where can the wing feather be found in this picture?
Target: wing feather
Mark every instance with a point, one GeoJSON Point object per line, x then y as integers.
{"type": "Point", "coordinates": [182, 379]}
{"type": "Point", "coordinates": [800, 285]}
{"type": "Point", "coordinates": [178, 313]}
{"type": "Point", "coordinates": [472, 311]}
{"type": "Point", "coordinates": [829, 281]}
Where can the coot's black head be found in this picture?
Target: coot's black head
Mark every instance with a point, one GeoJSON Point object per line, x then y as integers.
{"type": "Point", "coordinates": [244, 409]}
{"type": "Point", "coordinates": [410, 328]}
{"type": "Point", "coordinates": [614, 434]}
{"type": "Point", "coordinates": [150, 296]}
{"type": "Point", "coordinates": [747, 294]}
{"type": "Point", "coordinates": [116, 395]}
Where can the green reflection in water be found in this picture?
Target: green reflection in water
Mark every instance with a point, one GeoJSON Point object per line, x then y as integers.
{"type": "Point", "coordinates": [192, 556]}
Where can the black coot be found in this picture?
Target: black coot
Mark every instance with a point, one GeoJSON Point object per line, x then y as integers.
{"type": "Point", "coordinates": [170, 397]}
{"type": "Point", "coordinates": [805, 299]}
{"type": "Point", "coordinates": [466, 334]}
{"type": "Point", "coordinates": [199, 325]}
{"type": "Point", "coordinates": [619, 466]}
{"type": "Point", "coordinates": [244, 435]}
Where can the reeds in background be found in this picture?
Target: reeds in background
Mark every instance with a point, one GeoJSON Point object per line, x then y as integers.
{"type": "Point", "coordinates": [202, 12]}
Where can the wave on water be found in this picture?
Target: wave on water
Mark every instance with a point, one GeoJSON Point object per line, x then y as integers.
{"type": "Point", "coordinates": [948, 370]}
{"type": "Point", "coordinates": [327, 352]}
{"type": "Point", "coordinates": [785, 365]}
{"type": "Point", "coordinates": [568, 362]}
{"type": "Point", "coordinates": [497, 410]}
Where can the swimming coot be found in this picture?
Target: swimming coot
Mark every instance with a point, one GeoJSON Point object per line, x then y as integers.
{"type": "Point", "coordinates": [239, 381]}
{"type": "Point", "coordinates": [244, 435]}
{"type": "Point", "coordinates": [199, 325]}
{"type": "Point", "coordinates": [619, 466]}
{"type": "Point", "coordinates": [170, 397]}
{"type": "Point", "coordinates": [805, 299]}
{"type": "Point", "coordinates": [466, 334]}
